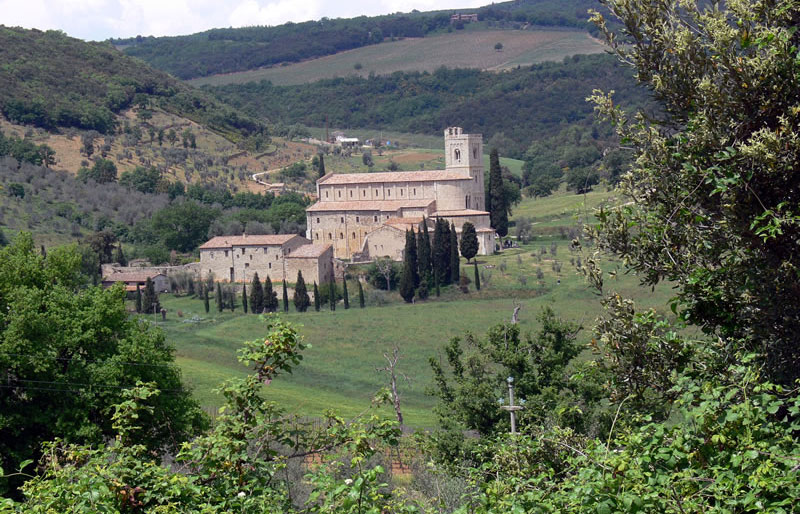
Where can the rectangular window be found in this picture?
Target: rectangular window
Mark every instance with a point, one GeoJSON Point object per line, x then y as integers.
{"type": "Point", "coordinates": [340, 194]}
{"type": "Point", "coordinates": [246, 265]}
{"type": "Point", "coordinates": [364, 192]}
{"type": "Point", "coordinates": [270, 265]}
{"type": "Point", "coordinates": [356, 219]}
{"type": "Point", "coordinates": [351, 193]}
{"type": "Point", "coordinates": [317, 220]}
{"type": "Point", "coordinates": [265, 250]}
{"type": "Point", "coordinates": [242, 251]}
{"type": "Point", "coordinates": [375, 219]}
{"type": "Point", "coordinates": [226, 253]}
{"type": "Point", "coordinates": [341, 220]}
{"type": "Point", "coordinates": [326, 194]}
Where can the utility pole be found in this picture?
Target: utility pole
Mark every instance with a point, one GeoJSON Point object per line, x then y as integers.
{"type": "Point", "coordinates": [511, 408]}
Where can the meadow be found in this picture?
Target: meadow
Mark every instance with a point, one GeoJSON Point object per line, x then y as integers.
{"type": "Point", "coordinates": [339, 370]}
{"type": "Point", "coordinates": [460, 49]}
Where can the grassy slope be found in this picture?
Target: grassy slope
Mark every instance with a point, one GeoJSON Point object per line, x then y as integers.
{"type": "Point", "coordinates": [461, 49]}
{"type": "Point", "coordinates": [339, 371]}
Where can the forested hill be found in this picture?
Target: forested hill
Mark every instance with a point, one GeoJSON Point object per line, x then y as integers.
{"type": "Point", "coordinates": [511, 109]}
{"type": "Point", "coordinates": [228, 50]}
{"type": "Point", "coordinates": [51, 80]}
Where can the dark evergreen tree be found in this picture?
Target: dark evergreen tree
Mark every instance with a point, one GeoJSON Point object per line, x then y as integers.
{"type": "Point", "coordinates": [437, 281]}
{"type": "Point", "coordinates": [424, 254]}
{"type": "Point", "coordinates": [469, 241]}
{"type": "Point", "coordinates": [138, 299]}
{"type": "Point", "coordinates": [270, 296]}
{"type": "Point", "coordinates": [361, 302]}
{"type": "Point", "coordinates": [150, 298]}
{"type": "Point", "coordinates": [477, 277]}
{"type": "Point", "coordinates": [231, 293]}
{"type": "Point", "coordinates": [301, 299]}
{"type": "Point", "coordinates": [244, 298]}
{"type": "Point", "coordinates": [498, 210]}
{"type": "Point", "coordinates": [316, 297]}
{"type": "Point", "coordinates": [119, 257]}
{"type": "Point", "coordinates": [332, 292]}
{"type": "Point", "coordinates": [218, 298]}
{"type": "Point", "coordinates": [439, 253]}
{"type": "Point", "coordinates": [406, 285]}
{"type": "Point", "coordinates": [285, 297]}
{"type": "Point", "coordinates": [444, 256]}
{"type": "Point", "coordinates": [345, 296]}
{"type": "Point", "coordinates": [321, 165]}
{"type": "Point", "coordinates": [455, 261]}
{"type": "Point", "coordinates": [410, 254]}
{"type": "Point", "coordinates": [256, 295]}
{"type": "Point", "coordinates": [205, 299]}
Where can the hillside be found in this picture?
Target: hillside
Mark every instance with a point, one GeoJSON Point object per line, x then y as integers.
{"type": "Point", "coordinates": [458, 49]}
{"type": "Point", "coordinates": [230, 50]}
{"type": "Point", "coordinates": [50, 80]}
{"type": "Point", "coordinates": [511, 109]}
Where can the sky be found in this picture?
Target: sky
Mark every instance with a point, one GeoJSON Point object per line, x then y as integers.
{"type": "Point", "coordinates": [102, 19]}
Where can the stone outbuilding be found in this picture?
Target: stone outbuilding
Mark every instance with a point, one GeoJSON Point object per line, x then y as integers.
{"type": "Point", "coordinates": [238, 258]}
{"type": "Point", "coordinates": [134, 279]}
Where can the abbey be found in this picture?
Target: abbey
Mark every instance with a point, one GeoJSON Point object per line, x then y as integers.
{"type": "Point", "coordinates": [365, 215]}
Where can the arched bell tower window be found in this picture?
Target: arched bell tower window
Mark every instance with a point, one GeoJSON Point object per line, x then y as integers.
{"type": "Point", "coordinates": [474, 152]}
{"type": "Point", "coordinates": [457, 155]}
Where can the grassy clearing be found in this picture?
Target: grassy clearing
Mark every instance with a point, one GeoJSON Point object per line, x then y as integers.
{"type": "Point", "coordinates": [347, 345]}
{"type": "Point", "coordinates": [467, 49]}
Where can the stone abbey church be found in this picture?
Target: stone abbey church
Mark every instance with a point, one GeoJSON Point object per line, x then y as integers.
{"type": "Point", "coordinates": [365, 215]}
{"type": "Point", "coordinates": [362, 216]}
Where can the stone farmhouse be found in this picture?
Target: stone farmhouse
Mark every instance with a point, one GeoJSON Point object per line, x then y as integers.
{"type": "Point", "coordinates": [133, 278]}
{"type": "Point", "coordinates": [238, 258]}
{"type": "Point", "coordinates": [365, 215]}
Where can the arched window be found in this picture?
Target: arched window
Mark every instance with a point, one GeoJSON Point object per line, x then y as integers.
{"type": "Point", "coordinates": [457, 155]}
{"type": "Point", "coordinates": [354, 235]}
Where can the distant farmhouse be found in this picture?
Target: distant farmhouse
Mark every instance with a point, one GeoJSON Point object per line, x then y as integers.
{"type": "Point", "coordinates": [134, 278]}
{"type": "Point", "coordinates": [464, 18]}
{"type": "Point", "coordinates": [362, 216]}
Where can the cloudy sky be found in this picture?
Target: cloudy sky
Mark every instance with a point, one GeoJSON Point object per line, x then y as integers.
{"type": "Point", "coordinates": [102, 19]}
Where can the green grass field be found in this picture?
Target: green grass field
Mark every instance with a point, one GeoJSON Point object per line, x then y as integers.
{"type": "Point", "coordinates": [339, 371]}
{"type": "Point", "coordinates": [460, 49]}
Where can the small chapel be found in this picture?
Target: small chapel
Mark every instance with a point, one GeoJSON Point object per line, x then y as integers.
{"type": "Point", "coordinates": [364, 216]}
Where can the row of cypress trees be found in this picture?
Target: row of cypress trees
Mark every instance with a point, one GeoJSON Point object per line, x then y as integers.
{"type": "Point", "coordinates": [430, 263]}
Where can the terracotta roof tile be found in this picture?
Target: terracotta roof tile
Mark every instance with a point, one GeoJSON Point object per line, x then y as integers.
{"type": "Point", "coordinates": [368, 205]}
{"type": "Point", "coordinates": [309, 251]}
{"type": "Point", "coordinates": [392, 176]}
{"type": "Point", "coordinates": [231, 241]}
{"type": "Point", "coordinates": [130, 277]}
{"type": "Point", "coordinates": [403, 221]}
{"type": "Point", "coordinates": [462, 212]}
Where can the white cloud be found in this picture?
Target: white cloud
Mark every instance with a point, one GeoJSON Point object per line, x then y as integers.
{"type": "Point", "coordinates": [251, 12]}
{"type": "Point", "coordinates": [101, 19]}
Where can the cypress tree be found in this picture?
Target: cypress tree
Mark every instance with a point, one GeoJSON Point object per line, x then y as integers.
{"type": "Point", "coordinates": [321, 165]}
{"type": "Point", "coordinates": [138, 299]}
{"type": "Point", "coordinates": [411, 252]}
{"type": "Point", "coordinates": [205, 299]}
{"type": "Point", "coordinates": [469, 241]}
{"type": "Point", "coordinates": [424, 253]}
{"type": "Point", "coordinates": [406, 285]}
{"type": "Point", "coordinates": [301, 299]}
{"type": "Point", "coordinates": [285, 297]}
{"type": "Point", "coordinates": [345, 295]}
{"type": "Point", "coordinates": [244, 298]}
{"type": "Point", "coordinates": [316, 297]}
{"type": "Point", "coordinates": [218, 298]}
{"type": "Point", "coordinates": [498, 212]}
{"type": "Point", "coordinates": [455, 261]}
{"type": "Point", "coordinates": [232, 298]}
{"type": "Point", "coordinates": [270, 296]}
{"type": "Point", "coordinates": [360, 295]}
{"type": "Point", "coordinates": [436, 280]}
{"type": "Point", "coordinates": [477, 277]}
{"type": "Point", "coordinates": [438, 252]}
{"type": "Point", "coordinates": [119, 257]}
{"type": "Point", "coordinates": [150, 298]}
{"type": "Point", "coordinates": [446, 255]}
{"type": "Point", "coordinates": [332, 292]}
{"type": "Point", "coordinates": [256, 295]}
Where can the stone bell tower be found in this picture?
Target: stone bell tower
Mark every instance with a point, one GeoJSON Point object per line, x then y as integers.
{"type": "Point", "coordinates": [464, 153]}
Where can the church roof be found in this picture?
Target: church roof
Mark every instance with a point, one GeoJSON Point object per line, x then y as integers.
{"type": "Point", "coordinates": [370, 205]}
{"type": "Point", "coordinates": [462, 212]}
{"type": "Point", "coordinates": [404, 221]}
{"type": "Point", "coordinates": [392, 176]}
{"type": "Point", "coordinates": [245, 240]}
{"type": "Point", "coordinates": [309, 251]}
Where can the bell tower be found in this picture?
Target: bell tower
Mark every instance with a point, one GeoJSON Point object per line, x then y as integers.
{"type": "Point", "coordinates": [464, 153]}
